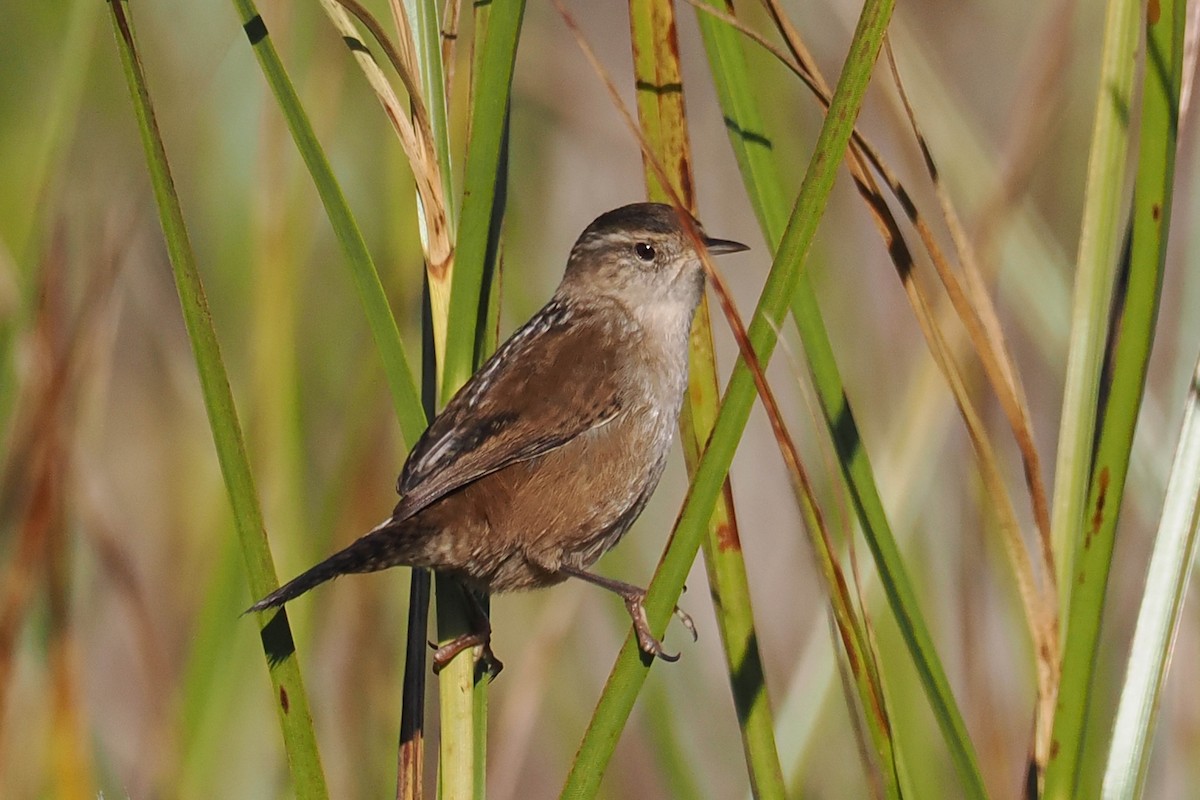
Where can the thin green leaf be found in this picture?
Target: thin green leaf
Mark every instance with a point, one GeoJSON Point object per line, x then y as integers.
{"type": "Point", "coordinates": [1135, 337]}
{"type": "Point", "coordinates": [630, 670]}
{"type": "Point", "coordinates": [493, 87]}
{"type": "Point", "coordinates": [1095, 270]}
{"type": "Point", "coordinates": [655, 105]}
{"type": "Point", "coordinates": [464, 696]}
{"type": "Point", "coordinates": [735, 89]}
{"type": "Point", "coordinates": [406, 400]}
{"type": "Point", "coordinates": [292, 705]}
{"type": "Point", "coordinates": [661, 114]}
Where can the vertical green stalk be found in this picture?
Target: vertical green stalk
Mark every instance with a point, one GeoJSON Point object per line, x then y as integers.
{"type": "Point", "coordinates": [1095, 270]}
{"type": "Point", "coordinates": [1133, 334]}
{"type": "Point", "coordinates": [292, 701]}
{"type": "Point", "coordinates": [493, 88]}
{"type": "Point", "coordinates": [663, 120]}
{"type": "Point", "coordinates": [463, 695]}
{"type": "Point", "coordinates": [407, 401]}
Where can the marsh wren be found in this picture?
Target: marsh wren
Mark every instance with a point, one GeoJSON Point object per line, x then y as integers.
{"type": "Point", "coordinates": [546, 456]}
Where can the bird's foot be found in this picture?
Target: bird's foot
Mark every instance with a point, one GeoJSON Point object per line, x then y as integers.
{"type": "Point", "coordinates": [487, 660]}
{"type": "Point", "coordinates": [635, 602]}
{"type": "Point", "coordinates": [647, 641]}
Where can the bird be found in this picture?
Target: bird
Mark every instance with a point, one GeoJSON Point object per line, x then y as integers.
{"type": "Point", "coordinates": [547, 455]}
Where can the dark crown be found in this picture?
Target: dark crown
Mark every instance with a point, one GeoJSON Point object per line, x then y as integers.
{"type": "Point", "coordinates": [634, 218]}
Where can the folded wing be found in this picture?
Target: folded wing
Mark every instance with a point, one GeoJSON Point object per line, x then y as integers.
{"type": "Point", "coordinates": [553, 380]}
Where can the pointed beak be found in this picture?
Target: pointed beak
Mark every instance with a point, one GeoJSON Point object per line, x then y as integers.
{"type": "Point", "coordinates": [719, 247]}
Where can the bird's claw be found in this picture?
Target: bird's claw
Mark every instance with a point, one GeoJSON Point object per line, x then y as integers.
{"type": "Point", "coordinates": [491, 665]}
{"type": "Point", "coordinates": [647, 641]}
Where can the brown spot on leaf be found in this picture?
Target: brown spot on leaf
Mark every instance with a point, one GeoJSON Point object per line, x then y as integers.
{"type": "Point", "coordinates": [1054, 748]}
{"type": "Point", "coordinates": [283, 700]}
{"type": "Point", "coordinates": [1098, 514]}
{"type": "Point", "coordinates": [1156, 212]}
{"type": "Point", "coordinates": [1153, 12]}
{"type": "Point", "coordinates": [727, 538]}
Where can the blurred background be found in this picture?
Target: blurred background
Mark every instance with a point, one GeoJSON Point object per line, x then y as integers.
{"type": "Point", "coordinates": [124, 666]}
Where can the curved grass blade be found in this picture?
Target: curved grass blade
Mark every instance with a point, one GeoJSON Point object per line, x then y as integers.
{"type": "Point", "coordinates": [1123, 383]}
{"type": "Point", "coordinates": [661, 113]}
{"type": "Point", "coordinates": [414, 129]}
{"type": "Point", "coordinates": [292, 705]}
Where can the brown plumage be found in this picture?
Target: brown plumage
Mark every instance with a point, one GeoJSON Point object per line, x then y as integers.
{"type": "Point", "coordinates": [546, 456]}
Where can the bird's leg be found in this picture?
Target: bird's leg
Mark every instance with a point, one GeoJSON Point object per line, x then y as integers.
{"type": "Point", "coordinates": [635, 599]}
{"type": "Point", "coordinates": [480, 636]}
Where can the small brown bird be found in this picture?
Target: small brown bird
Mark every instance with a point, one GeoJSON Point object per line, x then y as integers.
{"type": "Point", "coordinates": [548, 454]}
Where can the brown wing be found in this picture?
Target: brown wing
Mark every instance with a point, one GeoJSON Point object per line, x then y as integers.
{"type": "Point", "coordinates": [551, 381]}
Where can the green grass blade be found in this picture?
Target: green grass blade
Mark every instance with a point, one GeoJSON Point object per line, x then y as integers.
{"type": "Point", "coordinates": [463, 711]}
{"type": "Point", "coordinates": [760, 176]}
{"type": "Point", "coordinates": [406, 400]}
{"type": "Point", "coordinates": [661, 113]}
{"type": "Point", "coordinates": [1096, 262]}
{"type": "Point", "coordinates": [629, 673]}
{"type": "Point", "coordinates": [292, 705]}
{"type": "Point", "coordinates": [1139, 313]}
{"type": "Point", "coordinates": [464, 698]}
{"type": "Point", "coordinates": [493, 87]}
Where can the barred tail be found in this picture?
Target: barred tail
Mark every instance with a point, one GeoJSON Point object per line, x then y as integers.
{"type": "Point", "coordinates": [384, 547]}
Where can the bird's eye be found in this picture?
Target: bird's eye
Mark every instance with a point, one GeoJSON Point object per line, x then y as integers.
{"type": "Point", "coordinates": [644, 251]}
